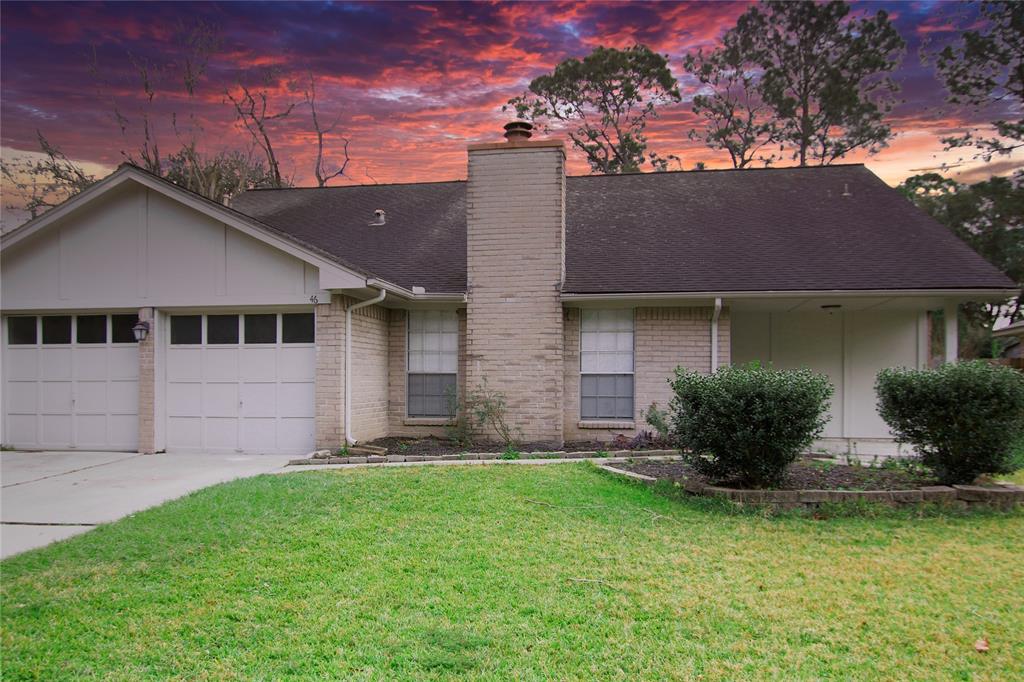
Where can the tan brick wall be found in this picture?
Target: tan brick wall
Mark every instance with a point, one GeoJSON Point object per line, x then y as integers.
{"type": "Point", "coordinates": [147, 385]}
{"type": "Point", "coordinates": [664, 338]}
{"type": "Point", "coordinates": [397, 378]}
{"type": "Point", "coordinates": [515, 207]}
{"type": "Point", "coordinates": [370, 373]}
{"type": "Point", "coordinates": [330, 373]}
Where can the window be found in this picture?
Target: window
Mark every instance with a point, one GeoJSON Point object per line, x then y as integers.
{"type": "Point", "coordinates": [261, 328]}
{"type": "Point", "coordinates": [186, 329]}
{"type": "Point", "coordinates": [91, 329]}
{"type": "Point", "coordinates": [21, 331]}
{"type": "Point", "coordinates": [57, 329]}
{"type": "Point", "coordinates": [121, 328]}
{"type": "Point", "coordinates": [606, 364]}
{"type": "Point", "coordinates": [298, 328]}
{"type": "Point", "coordinates": [433, 358]}
{"type": "Point", "coordinates": [221, 329]}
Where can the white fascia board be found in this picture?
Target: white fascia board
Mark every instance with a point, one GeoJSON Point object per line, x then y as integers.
{"type": "Point", "coordinates": [408, 295]}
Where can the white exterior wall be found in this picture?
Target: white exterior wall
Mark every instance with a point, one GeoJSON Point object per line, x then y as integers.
{"type": "Point", "coordinates": [849, 347]}
{"type": "Point", "coordinates": [136, 248]}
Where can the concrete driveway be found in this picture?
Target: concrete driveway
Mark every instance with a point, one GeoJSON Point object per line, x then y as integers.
{"type": "Point", "coordinates": [49, 496]}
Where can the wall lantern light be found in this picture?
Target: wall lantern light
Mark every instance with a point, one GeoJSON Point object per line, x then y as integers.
{"type": "Point", "coordinates": [141, 330]}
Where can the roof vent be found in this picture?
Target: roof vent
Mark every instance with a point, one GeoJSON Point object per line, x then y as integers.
{"type": "Point", "coordinates": [379, 217]}
{"type": "Point", "coordinates": [846, 190]}
{"type": "Point", "coordinates": [518, 130]}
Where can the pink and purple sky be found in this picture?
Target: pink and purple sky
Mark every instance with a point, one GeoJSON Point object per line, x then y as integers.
{"type": "Point", "coordinates": [413, 82]}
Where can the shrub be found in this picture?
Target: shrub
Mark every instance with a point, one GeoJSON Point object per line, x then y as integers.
{"type": "Point", "coordinates": [747, 424]}
{"type": "Point", "coordinates": [964, 419]}
{"type": "Point", "coordinates": [481, 409]}
{"type": "Point", "coordinates": [659, 420]}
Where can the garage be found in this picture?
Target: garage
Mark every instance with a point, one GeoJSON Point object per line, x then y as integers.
{"type": "Point", "coordinates": [240, 382]}
{"type": "Point", "coordinates": [70, 381]}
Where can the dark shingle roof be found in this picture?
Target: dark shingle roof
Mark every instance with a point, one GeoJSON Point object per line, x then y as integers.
{"type": "Point", "coordinates": [787, 229]}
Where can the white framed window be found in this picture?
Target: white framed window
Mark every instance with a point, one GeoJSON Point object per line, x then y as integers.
{"type": "Point", "coordinates": [433, 359]}
{"type": "Point", "coordinates": [606, 364]}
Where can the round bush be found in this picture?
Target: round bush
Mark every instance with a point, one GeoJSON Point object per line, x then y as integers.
{"type": "Point", "coordinates": [747, 424]}
{"type": "Point", "coordinates": [964, 419]}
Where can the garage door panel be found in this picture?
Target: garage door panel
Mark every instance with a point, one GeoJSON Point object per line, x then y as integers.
{"type": "Point", "coordinates": [184, 400]}
{"type": "Point", "coordinates": [258, 364]}
{"type": "Point", "coordinates": [124, 363]}
{"type": "Point", "coordinates": [21, 430]}
{"type": "Point", "coordinates": [91, 431]}
{"type": "Point", "coordinates": [55, 397]}
{"type": "Point", "coordinates": [123, 397]}
{"type": "Point", "coordinates": [296, 434]}
{"type": "Point", "coordinates": [55, 430]}
{"type": "Point", "coordinates": [91, 397]}
{"type": "Point", "coordinates": [297, 400]}
{"type": "Point", "coordinates": [185, 432]}
{"type": "Point", "coordinates": [123, 430]}
{"type": "Point", "coordinates": [259, 435]}
{"type": "Point", "coordinates": [22, 397]}
{"type": "Point", "coordinates": [221, 433]}
{"type": "Point", "coordinates": [21, 364]}
{"type": "Point", "coordinates": [91, 364]}
{"type": "Point", "coordinates": [184, 364]}
{"type": "Point", "coordinates": [220, 400]}
{"type": "Point", "coordinates": [297, 364]}
{"type": "Point", "coordinates": [220, 364]}
{"type": "Point", "coordinates": [259, 400]}
{"type": "Point", "coordinates": [55, 363]}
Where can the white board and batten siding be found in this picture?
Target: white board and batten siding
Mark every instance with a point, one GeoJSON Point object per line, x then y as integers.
{"type": "Point", "coordinates": [132, 248]}
{"type": "Point", "coordinates": [849, 347]}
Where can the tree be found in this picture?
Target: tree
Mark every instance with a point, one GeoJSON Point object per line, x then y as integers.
{"type": "Point", "coordinates": [822, 73]}
{"type": "Point", "coordinates": [323, 175]}
{"type": "Point", "coordinates": [251, 111]}
{"type": "Point", "coordinates": [989, 216]}
{"type": "Point", "coordinates": [986, 67]}
{"type": "Point", "coordinates": [737, 119]}
{"type": "Point", "coordinates": [604, 101]}
{"type": "Point", "coordinates": [218, 177]}
{"type": "Point", "coordinates": [40, 184]}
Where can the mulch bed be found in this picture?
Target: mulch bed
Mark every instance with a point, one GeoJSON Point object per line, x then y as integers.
{"type": "Point", "coordinates": [441, 446]}
{"type": "Point", "coordinates": [804, 474]}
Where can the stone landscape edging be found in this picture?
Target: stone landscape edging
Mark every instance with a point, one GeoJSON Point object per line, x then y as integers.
{"type": "Point", "coordinates": [1000, 496]}
{"type": "Point", "coordinates": [556, 455]}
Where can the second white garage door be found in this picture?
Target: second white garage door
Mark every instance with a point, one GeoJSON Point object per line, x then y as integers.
{"type": "Point", "coordinates": [241, 383]}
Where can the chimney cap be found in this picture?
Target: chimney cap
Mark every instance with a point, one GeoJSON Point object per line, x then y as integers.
{"type": "Point", "coordinates": [518, 130]}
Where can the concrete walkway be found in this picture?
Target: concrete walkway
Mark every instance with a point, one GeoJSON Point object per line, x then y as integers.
{"type": "Point", "coordinates": [49, 496]}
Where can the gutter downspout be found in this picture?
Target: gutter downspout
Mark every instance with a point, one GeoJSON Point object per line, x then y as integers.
{"type": "Point", "coordinates": [714, 334]}
{"type": "Point", "coordinates": [348, 361]}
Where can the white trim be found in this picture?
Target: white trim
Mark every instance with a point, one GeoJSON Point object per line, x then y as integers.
{"type": "Point", "coordinates": [803, 293]}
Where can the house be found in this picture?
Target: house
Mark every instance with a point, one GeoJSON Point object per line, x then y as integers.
{"type": "Point", "coordinates": [300, 318]}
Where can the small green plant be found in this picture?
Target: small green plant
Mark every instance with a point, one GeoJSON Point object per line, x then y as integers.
{"type": "Point", "coordinates": [510, 453]}
{"type": "Point", "coordinates": [659, 420]}
{"type": "Point", "coordinates": [342, 451]}
{"type": "Point", "coordinates": [964, 419]}
{"type": "Point", "coordinates": [403, 446]}
{"type": "Point", "coordinates": [482, 411]}
{"type": "Point", "coordinates": [601, 453]}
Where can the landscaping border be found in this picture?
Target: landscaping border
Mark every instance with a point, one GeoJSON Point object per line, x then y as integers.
{"type": "Point", "coordinates": [321, 457]}
{"type": "Point", "coordinates": [999, 496]}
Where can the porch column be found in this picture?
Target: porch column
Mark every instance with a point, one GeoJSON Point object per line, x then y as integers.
{"type": "Point", "coordinates": [950, 316]}
{"type": "Point", "coordinates": [147, 385]}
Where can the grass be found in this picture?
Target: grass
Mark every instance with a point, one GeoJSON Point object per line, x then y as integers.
{"type": "Point", "coordinates": [511, 572]}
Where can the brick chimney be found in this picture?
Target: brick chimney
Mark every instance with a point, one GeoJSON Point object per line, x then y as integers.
{"type": "Point", "coordinates": [515, 252]}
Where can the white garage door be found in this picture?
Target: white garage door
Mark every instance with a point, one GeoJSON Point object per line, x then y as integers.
{"type": "Point", "coordinates": [71, 381]}
{"type": "Point", "coordinates": [241, 383]}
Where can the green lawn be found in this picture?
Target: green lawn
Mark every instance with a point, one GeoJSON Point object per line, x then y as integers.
{"type": "Point", "coordinates": [511, 572]}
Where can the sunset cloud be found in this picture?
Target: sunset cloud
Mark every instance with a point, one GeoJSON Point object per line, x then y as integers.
{"type": "Point", "coordinates": [413, 83]}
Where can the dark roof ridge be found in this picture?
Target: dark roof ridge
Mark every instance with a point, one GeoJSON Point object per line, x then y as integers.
{"type": "Point", "coordinates": [716, 170]}
{"type": "Point", "coordinates": [376, 184]}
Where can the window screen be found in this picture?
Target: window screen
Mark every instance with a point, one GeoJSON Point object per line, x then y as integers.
{"type": "Point", "coordinates": [297, 328]}
{"type": "Point", "coordinates": [57, 329]}
{"type": "Point", "coordinates": [261, 328]}
{"type": "Point", "coordinates": [433, 357]}
{"type": "Point", "coordinates": [186, 329]}
{"type": "Point", "coordinates": [221, 329]}
{"type": "Point", "coordinates": [606, 364]}
{"type": "Point", "coordinates": [21, 331]}
{"type": "Point", "coordinates": [91, 329]}
{"type": "Point", "coordinates": [121, 328]}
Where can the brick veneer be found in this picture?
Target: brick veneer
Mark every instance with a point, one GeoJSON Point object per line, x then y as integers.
{"type": "Point", "coordinates": [664, 338]}
{"type": "Point", "coordinates": [147, 385]}
{"type": "Point", "coordinates": [515, 213]}
{"type": "Point", "coordinates": [330, 373]}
